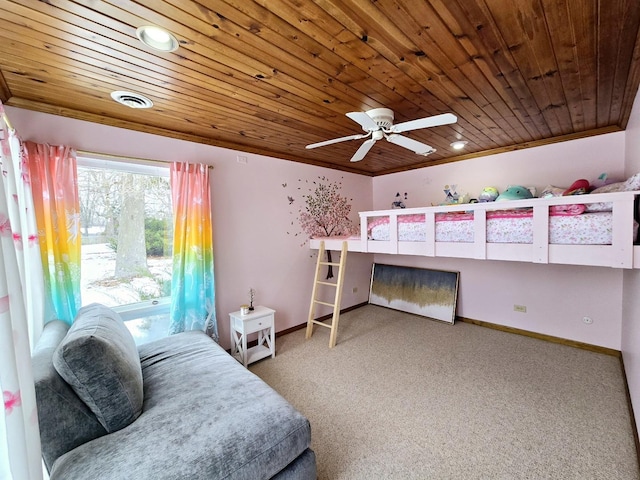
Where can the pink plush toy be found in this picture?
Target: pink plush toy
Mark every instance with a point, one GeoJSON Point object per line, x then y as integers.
{"type": "Point", "coordinates": [579, 187]}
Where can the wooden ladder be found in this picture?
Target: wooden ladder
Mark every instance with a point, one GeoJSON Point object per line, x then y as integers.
{"type": "Point", "coordinates": [338, 294]}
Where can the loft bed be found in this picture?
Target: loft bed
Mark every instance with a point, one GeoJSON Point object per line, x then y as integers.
{"type": "Point", "coordinates": [595, 229]}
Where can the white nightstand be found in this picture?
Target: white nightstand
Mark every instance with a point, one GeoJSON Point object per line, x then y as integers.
{"type": "Point", "coordinates": [260, 320]}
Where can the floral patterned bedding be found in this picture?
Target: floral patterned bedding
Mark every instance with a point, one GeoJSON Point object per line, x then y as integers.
{"type": "Point", "coordinates": [566, 226]}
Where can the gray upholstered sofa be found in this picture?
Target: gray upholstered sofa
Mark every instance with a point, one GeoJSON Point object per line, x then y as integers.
{"type": "Point", "coordinates": [176, 408]}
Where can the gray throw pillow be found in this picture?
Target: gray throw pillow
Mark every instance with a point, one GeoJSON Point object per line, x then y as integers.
{"type": "Point", "coordinates": [65, 421]}
{"type": "Point", "coordinates": [99, 359]}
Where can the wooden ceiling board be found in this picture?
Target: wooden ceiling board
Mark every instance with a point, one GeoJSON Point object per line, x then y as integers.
{"type": "Point", "coordinates": [94, 56]}
{"type": "Point", "coordinates": [480, 56]}
{"type": "Point", "coordinates": [88, 86]}
{"type": "Point", "coordinates": [434, 38]}
{"type": "Point", "coordinates": [631, 89]}
{"type": "Point", "coordinates": [5, 93]}
{"type": "Point", "coordinates": [271, 76]}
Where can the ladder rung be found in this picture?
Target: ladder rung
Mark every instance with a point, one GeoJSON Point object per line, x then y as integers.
{"type": "Point", "coordinates": [325, 303]}
{"type": "Point", "coordinates": [334, 264]}
{"type": "Point", "coordinates": [318, 322]}
{"type": "Point", "coordinates": [328, 283]}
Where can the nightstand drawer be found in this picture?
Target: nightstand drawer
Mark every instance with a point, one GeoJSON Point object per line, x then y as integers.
{"type": "Point", "coordinates": [257, 324]}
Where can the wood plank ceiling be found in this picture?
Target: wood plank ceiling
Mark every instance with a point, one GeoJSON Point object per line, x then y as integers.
{"type": "Point", "coordinates": [271, 76]}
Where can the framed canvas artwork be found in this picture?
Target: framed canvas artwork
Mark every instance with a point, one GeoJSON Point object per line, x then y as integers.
{"type": "Point", "coordinates": [430, 293]}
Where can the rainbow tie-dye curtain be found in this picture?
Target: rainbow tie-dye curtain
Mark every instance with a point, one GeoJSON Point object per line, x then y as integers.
{"type": "Point", "coordinates": [57, 208]}
{"type": "Point", "coordinates": [192, 283]}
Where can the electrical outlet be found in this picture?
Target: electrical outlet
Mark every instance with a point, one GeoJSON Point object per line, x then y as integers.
{"type": "Point", "coordinates": [520, 308]}
{"type": "Point", "coordinates": [587, 320]}
{"type": "Point", "coordinates": [242, 159]}
{"type": "Point", "coordinates": [354, 290]}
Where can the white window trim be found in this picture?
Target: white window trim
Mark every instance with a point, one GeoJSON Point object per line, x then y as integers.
{"type": "Point", "coordinates": [133, 166]}
{"type": "Point", "coordinates": [146, 308]}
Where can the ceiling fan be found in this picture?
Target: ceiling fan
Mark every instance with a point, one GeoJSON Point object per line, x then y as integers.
{"type": "Point", "coordinates": [378, 123]}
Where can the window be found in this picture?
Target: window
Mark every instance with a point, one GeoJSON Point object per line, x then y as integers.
{"type": "Point", "coordinates": [126, 223]}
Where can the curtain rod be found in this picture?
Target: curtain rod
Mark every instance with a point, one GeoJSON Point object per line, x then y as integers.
{"type": "Point", "coordinates": [6, 121]}
{"type": "Point", "coordinates": [120, 158]}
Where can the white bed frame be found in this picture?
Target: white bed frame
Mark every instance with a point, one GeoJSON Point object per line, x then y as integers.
{"type": "Point", "coordinates": [620, 254]}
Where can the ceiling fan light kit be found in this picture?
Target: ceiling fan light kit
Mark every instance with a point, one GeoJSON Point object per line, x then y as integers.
{"type": "Point", "coordinates": [382, 118]}
{"type": "Point", "coordinates": [378, 123]}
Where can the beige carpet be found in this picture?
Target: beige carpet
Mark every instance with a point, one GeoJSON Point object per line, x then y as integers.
{"type": "Point", "coordinates": [404, 397]}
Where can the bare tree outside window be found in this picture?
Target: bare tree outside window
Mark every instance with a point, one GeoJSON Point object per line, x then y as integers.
{"type": "Point", "coordinates": [131, 252]}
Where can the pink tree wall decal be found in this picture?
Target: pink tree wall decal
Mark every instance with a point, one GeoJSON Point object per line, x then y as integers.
{"type": "Point", "coordinates": [326, 214]}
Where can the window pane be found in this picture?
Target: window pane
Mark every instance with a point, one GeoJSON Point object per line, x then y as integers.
{"type": "Point", "coordinates": [149, 328]}
{"type": "Point", "coordinates": [126, 223]}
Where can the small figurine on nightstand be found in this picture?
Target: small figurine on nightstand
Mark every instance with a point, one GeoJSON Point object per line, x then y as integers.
{"type": "Point", "coordinates": [252, 293]}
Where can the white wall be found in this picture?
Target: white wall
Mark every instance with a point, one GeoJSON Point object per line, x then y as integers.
{"type": "Point", "coordinates": [557, 297]}
{"type": "Point", "coordinates": [559, 164]}
{"type": "Point", "coordinates": [255, 227]}
{"type": "Point", "coordinates": [631, 289]}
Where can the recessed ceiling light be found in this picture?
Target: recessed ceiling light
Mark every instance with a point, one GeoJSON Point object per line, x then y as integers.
{"type": "Point", "coordinates": [130, 99]}
{"type": "Point", "coordinates": [459, 145]}
{"type": "Point", "coordinates": [157, 38]}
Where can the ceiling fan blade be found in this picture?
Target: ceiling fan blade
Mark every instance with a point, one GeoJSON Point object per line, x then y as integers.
{"type": "Point", "coordinates": [435, 121]}
{"type": "Point", "coordinates": [406, 142]}
{"type": "Point", "coordinates": [336, 140]}
{"type": "Point", "coordinates": [363, 150]}
{"type": "Point", "coordinates": [365, 121]}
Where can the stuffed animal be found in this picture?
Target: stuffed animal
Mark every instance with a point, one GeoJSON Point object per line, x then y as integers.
{"type": "Point", "coordinates": [464, 198]}
{"type": "Point", "coordinates": [515, 192]}
{"type": "Point", "coordinates": [602, 180]}
{"type": "Point", "coordinates": [488, 194]}
{"type": "Point", "coordinates": [579, 187]}
{"type": "Point", "coordinates": [398, 203]}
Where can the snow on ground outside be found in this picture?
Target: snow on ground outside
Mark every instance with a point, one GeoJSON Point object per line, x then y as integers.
{"type": "Point", "coordinates": [98, 285]}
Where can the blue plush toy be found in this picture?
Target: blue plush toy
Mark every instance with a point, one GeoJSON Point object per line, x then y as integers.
{"type": "Point", "coordinates": [515, 192]}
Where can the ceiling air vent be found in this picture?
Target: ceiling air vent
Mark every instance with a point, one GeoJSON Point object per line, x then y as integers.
{"type": "Point", "coordinates": [133, 100]}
